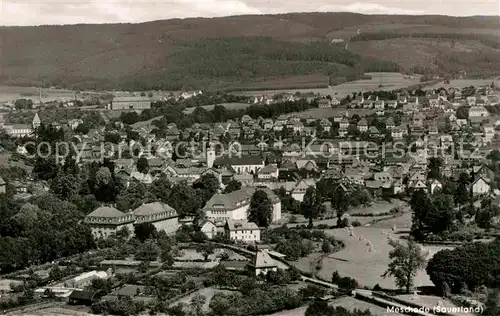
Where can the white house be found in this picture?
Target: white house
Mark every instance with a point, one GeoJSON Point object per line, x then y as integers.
{"type": "Point", "coordinates": [235, 205]}
{"type": "Point", "coordinates": [209, 229]}
{"type": "Point", "coordinates": [262, 264]}
{"type": "Point", "coordinates": [268, 172]}
{"type": "Point", "coordinates": [362, 125]}
{"type": "Point", "coordinates": [242, 231]}
{"type": "Point", "coordinates": [480, 186]}
{"type": "Point", "coordinates": [299, 190]}
{"type": "Point", "coordinates": [344, 124]}
{"type": "Point", "coordinates": [478, 111]}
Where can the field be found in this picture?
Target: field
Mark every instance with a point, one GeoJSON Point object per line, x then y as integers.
{"type": "Point", "coordinates": [430, 302]}
{"type": "Point", "coordinates": [348, 303]}
{"type": "Point", "coordinates": [357, 261]}
{"type": "Point", "coordinates": [229, 106]}
{"type": "Point", "coordinates": [462, 83]}
{"type": "Point", "coordinates": [294, 82]}
{"type": "Point", "coordinates": [389, 81]}
{"type": "Point", "coordinates": [12, 93]}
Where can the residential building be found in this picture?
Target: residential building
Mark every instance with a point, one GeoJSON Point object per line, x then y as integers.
{"type": "Point", "coordinates": [325, 124]}
{"type": "Point", "coordinates": [324, 103]}
{"type": "Point", "coordinates": [379, 104]}
{"type": "Point", "coordinates": [362, 125]}
{"type": "Point", "coordinates": [300, 188]}
{"type": "Point", "coordinates": [480, 186]}
{"type": "Point", "coordinates": [262, 264]}
{"type": "Point", "coordinates": [242, 231]}
{"type": "Point", "coordinates": [18, 130]}
{"type": "Point", "coordinates": [397, 133]}
{"type": "Point", "coordinates": [392, 104]}
{"type": "Point", "coordinates": [344, 124]}
{"type": "Point", "coordinates": [478, 111]}
{"type": "Point", "coordinates": [209, 228]}
{"type": "Point", "coordinates": [268, 172]}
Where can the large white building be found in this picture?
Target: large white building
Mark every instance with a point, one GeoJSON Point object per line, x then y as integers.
{"type": "Point", "coordinates": [162, 216]}
{"type": "Point", "coordinates": [106, 221]}
{"type": "Point", "coordinates": [235, 205]}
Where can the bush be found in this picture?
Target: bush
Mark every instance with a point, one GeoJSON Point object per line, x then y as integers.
{"type": "Point", "coordinates": [356, 223]}
{"type": "Point", "coordinates": [342, 223]}
{"type": "Point", "coordinates": [345, 283]}
{"type": "Point", "coordinates": [322, 226]}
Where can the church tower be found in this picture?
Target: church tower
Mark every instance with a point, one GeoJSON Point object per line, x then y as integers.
{"type": "Point", "coordinates": [36, 121]}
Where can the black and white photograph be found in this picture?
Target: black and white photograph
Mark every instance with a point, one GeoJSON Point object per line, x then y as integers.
{"type": "Point", "coordinates": [249, 158]}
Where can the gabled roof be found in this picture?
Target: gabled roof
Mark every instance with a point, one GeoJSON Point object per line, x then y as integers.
{"type": "Point", "coordinates": [233, 225]}
{"type": "Point", "coordinates": [263, 260]}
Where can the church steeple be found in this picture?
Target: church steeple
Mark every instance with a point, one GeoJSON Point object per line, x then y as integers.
{"type": "Point", "coordinates": [36, 121]}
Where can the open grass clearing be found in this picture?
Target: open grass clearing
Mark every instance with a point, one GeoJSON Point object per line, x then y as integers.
{"type": "Point", "coordinates": [358, 262]}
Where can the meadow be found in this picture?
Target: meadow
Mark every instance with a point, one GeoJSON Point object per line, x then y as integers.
{"type": "Point", "coordinates": [389, 81]}
{"type": "Point", "coordinates": [348, 303]}
{"type": "Point", "coordinates": [358, 262]}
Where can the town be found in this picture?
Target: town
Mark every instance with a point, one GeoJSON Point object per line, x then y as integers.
{"type": "Point", "coordinates": [211, 203]}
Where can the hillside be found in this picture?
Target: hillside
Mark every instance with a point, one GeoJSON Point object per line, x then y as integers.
{"type": "Point", "coordinates": [201, 53]}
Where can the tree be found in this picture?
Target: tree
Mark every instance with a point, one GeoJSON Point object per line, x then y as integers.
{"type": "Point", "coordinates": [326, 246]}
{"type": "Point", "coordinates": [435, 168]}
{"type": "Point", "coordinates": [340, 202]}
{"type": "Point", "coordinates": [462, 195]}
{"type": "Point", "coordinates": [142, 165]}
{"type": "Point", "coordinates": [206, 186]}
{"type": "Point", "coordinates": [492, 308]}
{"type": "Point", "coordinates": [231, 186]}
{"type": "Point", "coordinates": [197, 302]}
{"type": "Point", "coordinates": [64, 186]}
{"type": "Point", "coordinates": [148, 251]}
{"type": "Point", "coordinates": [466, 267]}
{"type": "Point", "coordinates": [260, 211]}
{"type": "Point", "coordinates": [311, 205]}
{"type": "Point", "coordinates": [184, 199]}
{"type": "Point", "coordinates": [463, 112]}
{"type": "Point", "coordinates": [132, 197]}
{"type": "Point", "coordinates": [161, 188]}
{"type": "Point", "coordinates": [406, 260]}
{"type": "Point", "coordinates": [145, 231]}
{"type": "Point", "coordinates": [494, 155]}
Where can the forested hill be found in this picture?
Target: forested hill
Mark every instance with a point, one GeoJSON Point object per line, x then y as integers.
{"type": "Point", "coordinates": [197, 53]}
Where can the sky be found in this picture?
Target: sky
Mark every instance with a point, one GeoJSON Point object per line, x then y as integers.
{"type": "Point", "coordinates": [38, 12]}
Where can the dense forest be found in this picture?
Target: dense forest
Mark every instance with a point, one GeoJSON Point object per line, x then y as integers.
{"type": "Point", "coordinates": [199, 53]}
{"type": "Point", "coordinates": [490, 41]}
{"type": "Point", "coordinates": [241, 59]}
